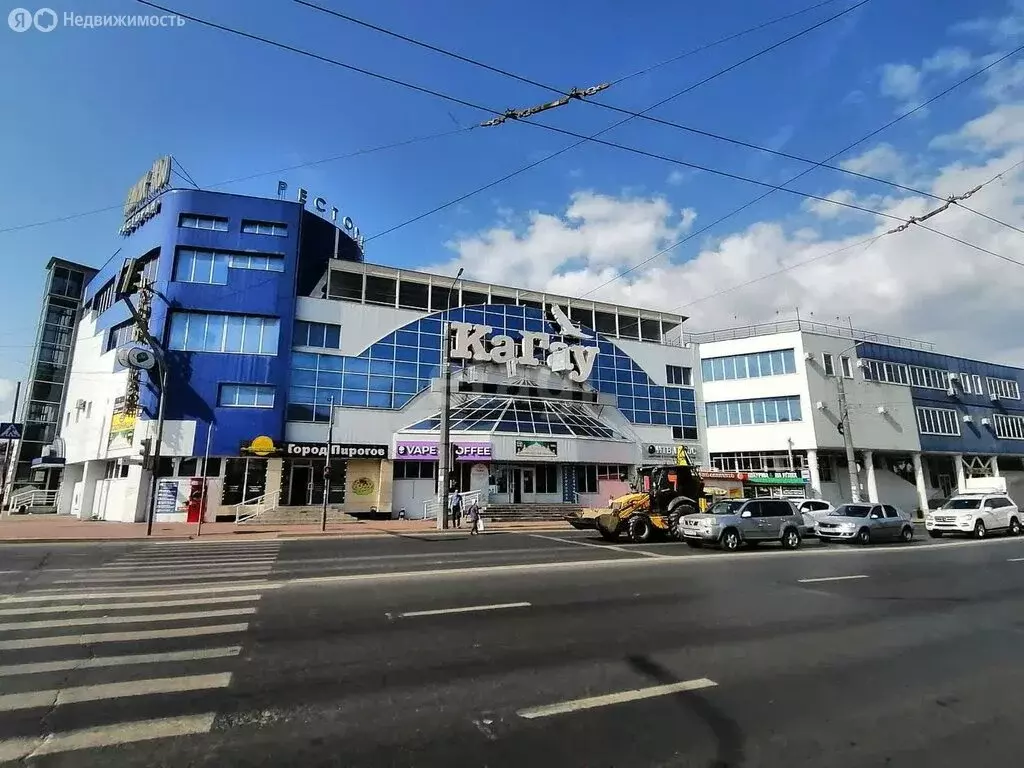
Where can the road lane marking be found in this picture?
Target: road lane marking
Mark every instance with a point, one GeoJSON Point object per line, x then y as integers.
{"type": "Point", "coordinates": [1015, 560]}
{"type": "Point", "coordinates": [615, 698]}
{"type": "Point", "coordinates": [146, 687]}
{"type": "Point", "coordinates": [56, 595]}
{"type": "Point", "coordinates": [98, 662]}
{"type": "Point", "coordinates": [598, 546]}
{"type": "Point", "coordinates": [831, 578]}
{"type": "Point", "coordinates": [124, 565]}
{"type": "Point", "coordinates": [466, 609]}
{"type": "Point", "coordinates": [120, 637]}
{"type": "Point", "coordinates": [171, 577]}
{"type": "Point", "coordinates": [141, 618]}
{"type": "Point", "coordinates": [13, 750]}
{"type": "Point", "coordinates": [128, 606]}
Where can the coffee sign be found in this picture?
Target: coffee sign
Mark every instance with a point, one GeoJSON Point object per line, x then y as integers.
{"type": "Point", "coordinates": [427, 450]}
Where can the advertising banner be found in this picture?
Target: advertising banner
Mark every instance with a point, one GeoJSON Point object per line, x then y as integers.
{"type": "Point", "coordinates": [426, 450]}
{"type": "Point", "coordinates": [122, 427]}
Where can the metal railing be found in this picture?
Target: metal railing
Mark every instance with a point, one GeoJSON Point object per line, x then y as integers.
{"type": "Point", "coordinates": [432, 509]}
{"type": "Point", "coordinates": [807, 326]}
{"type": "Point", "coordinates": [33, 498]}
{"type": "Point", "coordinates": [248, 510]}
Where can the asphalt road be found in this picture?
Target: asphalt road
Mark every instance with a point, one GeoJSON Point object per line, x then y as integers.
{"type": "Point", "coordinates": [512, 649]}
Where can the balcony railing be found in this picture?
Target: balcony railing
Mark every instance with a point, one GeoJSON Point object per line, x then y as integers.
{"type": "Point", "coordinates": [807, 326]}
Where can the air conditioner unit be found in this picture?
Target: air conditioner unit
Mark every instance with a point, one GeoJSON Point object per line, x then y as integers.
{"type": "Point", "coordinates": [968, 418]}
{"type": "Point", "coordinates": [882, 409]}
{"type": "Point", "coordinates": [993, 397]}
{"type": "Point", "coordinates": [808, 355]}
{"type": "Point", "coordinates": [819, 405]}
{"type": "Point", "coordinates": [951, 392]}
{"type": "Point", "coordinates": [954, 376]}
{"type": "Point", "coordinates": [862, 363]}
{"type": "Point", "coordinates": [986, 422]}
{"type": "Point", "coordinates": [80, 404]}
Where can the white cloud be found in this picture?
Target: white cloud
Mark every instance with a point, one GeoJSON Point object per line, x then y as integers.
{"type": "Point", "coordinates": [677, 176]}
{"type": "Point", "coordinates": [951, 60]}
{"type": "Point", "coordinates": [999, 30]}
{"type": "Point", "coordinates": [915, 283]}
{"type": "Point", "coordinates": [7, 387]}
{"type": "Point", "coordinates": [996, 130]}
{"type": "Point", "coordinates": [881, 160]}
{"type": "Point", "coordinates": [900, 81]}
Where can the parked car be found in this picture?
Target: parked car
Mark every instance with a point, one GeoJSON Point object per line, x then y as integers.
{"type": "Point", "coordinates": [811, 510]}
{"type": "Point", "coordinates": [744, 521]}
{"type": "Point", "coordinates": [975, 514]}
{"type": "Point", "coordinates": [866, 524]}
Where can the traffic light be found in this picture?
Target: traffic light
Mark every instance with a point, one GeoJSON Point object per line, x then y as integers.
{"type": "Point", "coordinates": [146, 449]}
{"type": "Point", "coordinates": [841, 429]}
{"type": "Point", "coordinates": [129, 279]}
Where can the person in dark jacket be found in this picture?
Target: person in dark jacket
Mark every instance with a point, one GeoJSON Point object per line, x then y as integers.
{"type": "Point", "coordinates": [474, 518]}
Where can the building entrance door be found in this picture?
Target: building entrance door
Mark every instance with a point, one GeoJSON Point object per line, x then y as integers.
{"type": "Point", "coordinates": [300, 486]}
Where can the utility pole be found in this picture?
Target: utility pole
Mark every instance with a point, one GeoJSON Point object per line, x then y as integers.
{"type": "Point", "coordinates": [844, 423]}
{"type": "Point", "coordinates": [444, 449]}
{"type": "Point", "coordinates": [327, 466]}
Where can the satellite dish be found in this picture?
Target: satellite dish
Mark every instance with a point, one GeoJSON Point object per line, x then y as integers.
{"type": "Point", "coordinates": [136, 357]}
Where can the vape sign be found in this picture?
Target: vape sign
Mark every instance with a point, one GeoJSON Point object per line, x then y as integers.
{"type": "Point", "coordinates": [423, 450]}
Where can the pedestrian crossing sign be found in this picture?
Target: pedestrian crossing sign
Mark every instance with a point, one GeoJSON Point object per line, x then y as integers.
{"type": "Point", "coordinates": [10, 431]}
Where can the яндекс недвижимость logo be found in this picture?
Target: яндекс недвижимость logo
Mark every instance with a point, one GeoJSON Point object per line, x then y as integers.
{"type": "Point", "coordinates": [22, 19]}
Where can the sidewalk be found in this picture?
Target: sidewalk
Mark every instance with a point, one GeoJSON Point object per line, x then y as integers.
{"type": "Point", "coordinates": [29, 528]}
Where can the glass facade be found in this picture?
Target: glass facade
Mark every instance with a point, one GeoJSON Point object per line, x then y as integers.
{"type": "Point", "coordinates": [212, 332]}
{"type": "Point", "coordinates": [524, 417]}
{"type": "Point", "coordinates": [772, 410]}
{"type": "Point", "coordinates": [245, 396]}
{"type": "Point", "coordinates": [194, 265]}
{"type": "Point", "coordinates": [396, 368]}
{"type": "Point", "coordinates": [752, 366]}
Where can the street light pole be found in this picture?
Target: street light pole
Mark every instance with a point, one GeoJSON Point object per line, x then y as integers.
{"type": "Point", "coordinates": [444, 449]}
{"type": "Point", "coordinates": [844, 419]}
{"type": "Point", "coordinates": [151, 512]}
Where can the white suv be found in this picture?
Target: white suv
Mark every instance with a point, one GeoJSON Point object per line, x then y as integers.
{"type": "Point", "coordinates": [975, 514]}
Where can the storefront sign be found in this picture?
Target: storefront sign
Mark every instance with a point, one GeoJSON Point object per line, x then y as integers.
{"type": "Point", "coordinates": [717, 474]}
{"type": "Point", "coordinates": [680, 454]}
{"type": "Point", "coordinates": [122, 427]}
{"type": "Point", "coordinates": [474, 342]}
{"type": "Point", "coordinates": [426, 450]}
{"type": "Point", "coordinates": [321, 206]}
{"type": "Point", "coordinates": [775, 478]}
{"type": "Point", "coordinates": [537, 449]}
{"type": "Point", "coordinates": [338, 450]}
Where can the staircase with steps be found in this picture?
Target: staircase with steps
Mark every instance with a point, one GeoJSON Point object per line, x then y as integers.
{"type": "Point", "coordinates": [292, 516]}
{"type": "Point", "coordinates": [528, 513]}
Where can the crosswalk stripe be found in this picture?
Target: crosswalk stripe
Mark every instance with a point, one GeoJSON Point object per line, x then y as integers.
{"type": "Point", "coordinates": [107, 580]}
{"type": "Point", "coordinates": [151, 564]}
{"type": "Point", "coordinates": [84, 693]}
{"type": "Point", "coordinates": [52, 595]}
{"type": "Point", "coordinates": [142, 618]}
{"type": "Point", "coordinates": [121, 637]}
{"type": "Point", "coordinates": [211, 547]}
{"type": "Point", "coordinates": [98, 662]}
{"type": "Point", "coordinates": [105, 736]}
{"type": "Point", "coordinates": [128, 606]}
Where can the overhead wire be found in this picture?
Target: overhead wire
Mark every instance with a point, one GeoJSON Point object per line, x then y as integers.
{"type": "Point", "coordinates": [584, 96]}
{"type": "Point", "coordinates": [725, 174]}
{"type": "Point", "coordinates": [299, 166]}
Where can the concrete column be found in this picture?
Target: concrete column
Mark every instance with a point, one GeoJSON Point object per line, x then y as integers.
{"type": "Point", "coordinates": [922, 488]}
{"type": "Point", "coordinates": [869, 465]}
{"type": "Point", "coordinates": [994, 463]}
{"type": "Point", "coordinates": [813, 474]}
{"type": "Point", "coordinates": [961, 479]}
{"type": "Point", "coordinates": [93, 473]}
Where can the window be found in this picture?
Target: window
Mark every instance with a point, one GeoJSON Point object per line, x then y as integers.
{"type": "Point", "coordinates": [120, 335]}
{"type": "Point", "coordinates": [211, 267]}
{"type": "Point", "coordinates": [604, 323]}
{"type": "Point", "coordinates": [208, 332]}
{"type": "Point", "coordinates": [380, 290]}
{"type": "Point", "coordinates": [825, 469]}
{"type": "Point", "coordinates": [547, 478]}
{"type": "Point", "coordinates": [928, 378]}
{"type": "Point", "coordinates": [650, 330]}
{"type": "Point", "coordinates": [1005, 388]}
{"type": "Point", "coordinates": [612, 471]}
{"type": "Point", "coordinates": [938, 421]}
{"type": "Point", "coordinates": [586, 478]}
{"type": "Point", "coordinates": [629, 326]}
{"type": "Point", "coordinates": [345, 285]}
{"type": "Point", "coordinates": [977, 384]}
{"type": "Point", "coordinates": [195, 221]}
{"type": "Point", "coordinates": [104, 298]}
{"type": "Point", "coordinates": [890, 373]}
{"type": "Point", "coordinates": [265, 228]}
{"type": "Point", "coordinates": [847, 365]}
{"type": "Point", "coordinates": [775, 508]}
{"type": "Point", "coordinates": [245, 396]}
{"type": "Point", "coordinates": [767, 411]}
{"type": "Point", "coordinates": [890, 511]}
{"type": "Point", "coordinates": [415, 470]}
{"type": "Point", "coordinates": [413, 295]}
{"type": "Point", "coordinates": [828, 363]}
{"type": "Point", "coordinates": [752, 366]}
{"type": "Point", "coordinates": [115, 471]}
{"type": "Point", "coordinates": [679, 375]}
{"type": "Point", "coordinates": [1008, 427]}
{"type": "Point", "coordinates": [965, 383]}
{"type": "Point", "coordinates": [323, 335]}
{"type": "Point", "coordinates": [684, 433]}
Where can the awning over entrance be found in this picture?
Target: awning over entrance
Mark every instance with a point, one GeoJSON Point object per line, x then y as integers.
{"type": "Point", "coordinates": [522, 417]}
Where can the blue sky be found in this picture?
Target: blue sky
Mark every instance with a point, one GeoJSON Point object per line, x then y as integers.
{"type": "Point", "coordinates": [87, 111]}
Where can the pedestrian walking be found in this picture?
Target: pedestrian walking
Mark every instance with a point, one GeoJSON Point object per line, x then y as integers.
{"type": "Point", "coordinates": [455, 505]}
{"type": "Point", "coordinates": [474, 518]}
